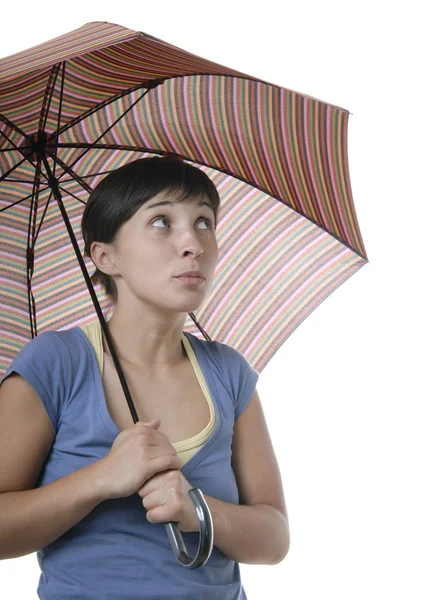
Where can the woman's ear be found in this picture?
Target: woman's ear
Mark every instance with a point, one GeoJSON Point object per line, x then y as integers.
{"type": "Point", "coordinates": [102, 257]}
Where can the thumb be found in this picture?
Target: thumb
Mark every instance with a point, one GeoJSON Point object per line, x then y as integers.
{"type": "Point", "coordinates": [152, 423]}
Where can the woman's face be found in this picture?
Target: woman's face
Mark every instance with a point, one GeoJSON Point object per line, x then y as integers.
{"type": "Point", "coordinates": [160, 242]}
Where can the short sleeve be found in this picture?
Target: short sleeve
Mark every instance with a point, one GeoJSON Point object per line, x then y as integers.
{"type": "Point", "coordinates": [242, 377]}
{"type": "Point", "coordinates": [43, 363]}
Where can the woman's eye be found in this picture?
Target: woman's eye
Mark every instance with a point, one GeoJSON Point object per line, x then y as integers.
{"type": "Point", "coordinates": [163, 223]}
{"type": "Point", "coordinates": [208, 224]}
{"type": "Point", "coordinates": [158, 220]}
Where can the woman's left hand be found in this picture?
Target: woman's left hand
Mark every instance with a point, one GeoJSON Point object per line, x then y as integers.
{"type": "Point", "coordinates": [165, 498]}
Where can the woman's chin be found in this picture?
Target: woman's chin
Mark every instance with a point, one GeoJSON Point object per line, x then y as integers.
{"type": "Point", "coordinates": [183, 307]}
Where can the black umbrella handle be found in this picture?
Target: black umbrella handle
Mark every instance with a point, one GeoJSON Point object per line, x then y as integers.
{"type": "Point", "coordinates": [206, 536]}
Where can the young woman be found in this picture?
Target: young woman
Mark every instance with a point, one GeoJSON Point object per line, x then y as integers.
{"type": "Point", "coordinates": [85, 487]}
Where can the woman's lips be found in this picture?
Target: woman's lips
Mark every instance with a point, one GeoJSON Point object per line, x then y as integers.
{"type": "Point", "coordinates": [191, 280]}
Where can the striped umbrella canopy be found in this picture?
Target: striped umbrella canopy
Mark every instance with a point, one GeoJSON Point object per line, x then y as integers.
{"type": "Point", "coordinates": [85, 103]}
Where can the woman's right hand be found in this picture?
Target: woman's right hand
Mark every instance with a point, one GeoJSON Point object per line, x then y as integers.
{"type": "Point", "coordinates": [137, 454]}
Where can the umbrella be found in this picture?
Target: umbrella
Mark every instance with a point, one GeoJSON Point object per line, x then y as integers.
{"type": "Point", "coordinates": [79, 106]}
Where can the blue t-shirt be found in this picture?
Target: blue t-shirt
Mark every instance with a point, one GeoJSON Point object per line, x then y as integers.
{"type": "Point", "coordinates": [114, 553]}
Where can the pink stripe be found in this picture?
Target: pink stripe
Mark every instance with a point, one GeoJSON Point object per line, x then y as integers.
{"type": "Point", "coordinates": [164, 119]}
{"type": "Point", "coordinates": [8, 334]}
{"type": "Point", "coordinates": [332, 171]}
{"type": "Point", "coordinates": [239, 242]}
{"type": "Point", "coordinates": [78, 322]}
{"type": "Point", "coordinates": [34, 113]}
{"type": "Point", "coordinates": [238, 205]}
{"type": "Point", "coordinates": [264, 136]}
{"type": "Point", "coordinates": [224, 103]}
{"type": "Point", "coordinates": [224, 181]}
{"type": "Point", "coordinates": [17, 97]}
{"type": "Point", "coordinates": [49, 282]}
{"type": "Point", "coordinates": [51, 308]}
{"type": "Point", "coordinates": [85, 130]}
{"type": "Point", "coordinates": [111, 118]}
{"type": "Point", "coordinates": [311, 170]}
{"type": "Point", "coordinates": [104, 86]}
{"type": "Point", "coordinates": [288, 151]}
{"type": "Point", "coordinates": [15, 284]}
{"type": "Point", "coordinates": [61, 227]}
{"type": "Point", "coordinates": [7, 309]}
{"type": "Point", "coordinates": [269, 349]}
{"type": "Point", "coordinates": [194, 136]}
{"type": "Point", "coordinates": [244, 275]}
{"type": "Point", "coordinates": [136, 114]}
{"type": "Point", "coordinates": [212, 101]}
{"type": "Point", "coordinates": [63, 48]}
{"type": "Point", "coordinates": [88, 32]}
{"type": "Point", "coordinates": [43, 259]}
{"type": "Point", "coordinates": [269, 322]}
{"type": "Point", "coordinates": [18, 232]}
{"type": "Point", "coordinates": [273, 283]}
{"type": "Point", "coordinates": [239, 132]}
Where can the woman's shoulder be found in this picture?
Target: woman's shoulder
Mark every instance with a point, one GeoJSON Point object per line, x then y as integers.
{"type": "Point", "coordinates": [212, 347]}
{"type": "Point", "coordinates": [48, 350]}
{"type": "Point", "coordinates": [45, 362]}
{"type": "Point", "coordinates": [228, 363]}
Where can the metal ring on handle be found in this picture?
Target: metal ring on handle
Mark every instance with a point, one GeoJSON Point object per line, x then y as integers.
{"type": "Point", "coordinates": [206, 534]}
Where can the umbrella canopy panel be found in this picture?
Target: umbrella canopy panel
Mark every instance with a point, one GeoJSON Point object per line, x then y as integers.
{"type": "Point", "coordinates": [288, 232]}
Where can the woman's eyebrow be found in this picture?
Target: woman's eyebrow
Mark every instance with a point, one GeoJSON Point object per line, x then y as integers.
{"type": "Point", "coordinates": [168, 203]}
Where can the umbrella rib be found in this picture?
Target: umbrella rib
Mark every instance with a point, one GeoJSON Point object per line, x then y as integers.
{"type": "Point", "coordinates": [151, 85]}
{"type": "Point", "coordinates": [3, 150]}
{"type": "Point", "coordinates": [21, 200]}
{"type": "Point", "coordinates": [22, 153]}
{"type": "Point", "coordinates": [210, 166]}
{"type": "Point", "coordinates": [30, 248]}
{"type": "Point", "coordinates": [86, 176]}
{"type": "Point", "coordinates": [75, 176]}
{"type": "Point", "coordinates": [12, 126]}
{"type": "Point", "coordinates": [47, 98]}
{"type": "Point", "coordinates": [155, 82]}
{"type": "Point", "coordinates": [3, 177]}
{"type": "Point", "coordinates": [44, 213]}
{"type": "Point", "coordinates": [17, 181]}
{"type": "Point", "coordinates": [71, 194]}
{"type": "Point", "coordinates": [59, 115]}
{"type": "Point", "coordinates": [112, 125]}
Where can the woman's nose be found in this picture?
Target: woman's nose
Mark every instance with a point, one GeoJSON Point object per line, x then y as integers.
{"type": "Point", "coordinates": [190, 245]}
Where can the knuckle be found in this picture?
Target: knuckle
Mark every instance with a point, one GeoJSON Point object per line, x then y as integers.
{"type": "Point", "coordinates": [171, 461]}
{"type": "Point", "coordinates": [175, 476]}
{"type": "Point", "coordinates": [151, 517]}
{"type": "Point", "coordinates": [171, 452]}
{"type": "Point", "coordinates": [172, 479]}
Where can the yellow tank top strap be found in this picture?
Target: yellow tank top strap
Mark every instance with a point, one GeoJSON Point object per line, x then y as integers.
{"type": "Point", "coordinates": [185, 448]}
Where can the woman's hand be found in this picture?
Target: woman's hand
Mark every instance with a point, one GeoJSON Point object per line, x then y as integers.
{"type": "Point", "coordinates": [165, 498]}
{"type": "Point", "coordinates": [136, 455]}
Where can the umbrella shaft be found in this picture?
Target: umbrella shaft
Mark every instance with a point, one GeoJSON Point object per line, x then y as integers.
{"type": "Point", "coordinates": [53, 184]}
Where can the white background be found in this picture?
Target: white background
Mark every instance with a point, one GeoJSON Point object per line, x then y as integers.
{"type": "Point", "coordinates": [352, 400]}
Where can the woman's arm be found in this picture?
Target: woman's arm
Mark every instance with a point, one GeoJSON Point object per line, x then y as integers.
{"type": "Point", "coordinates": [257, 530]}
{"type": "Point", "coordinates": [32, 518]}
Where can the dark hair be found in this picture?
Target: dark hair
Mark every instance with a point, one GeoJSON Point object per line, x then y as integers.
{"type": "Point", "coordinates": [122, 192]}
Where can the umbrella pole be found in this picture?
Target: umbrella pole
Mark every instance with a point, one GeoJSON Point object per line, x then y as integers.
{"type": "Point", "coordinates": [206, 530]}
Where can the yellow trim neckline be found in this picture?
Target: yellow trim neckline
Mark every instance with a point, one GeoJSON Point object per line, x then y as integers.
{"type": "Point", "coordinates": [93, 332]}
